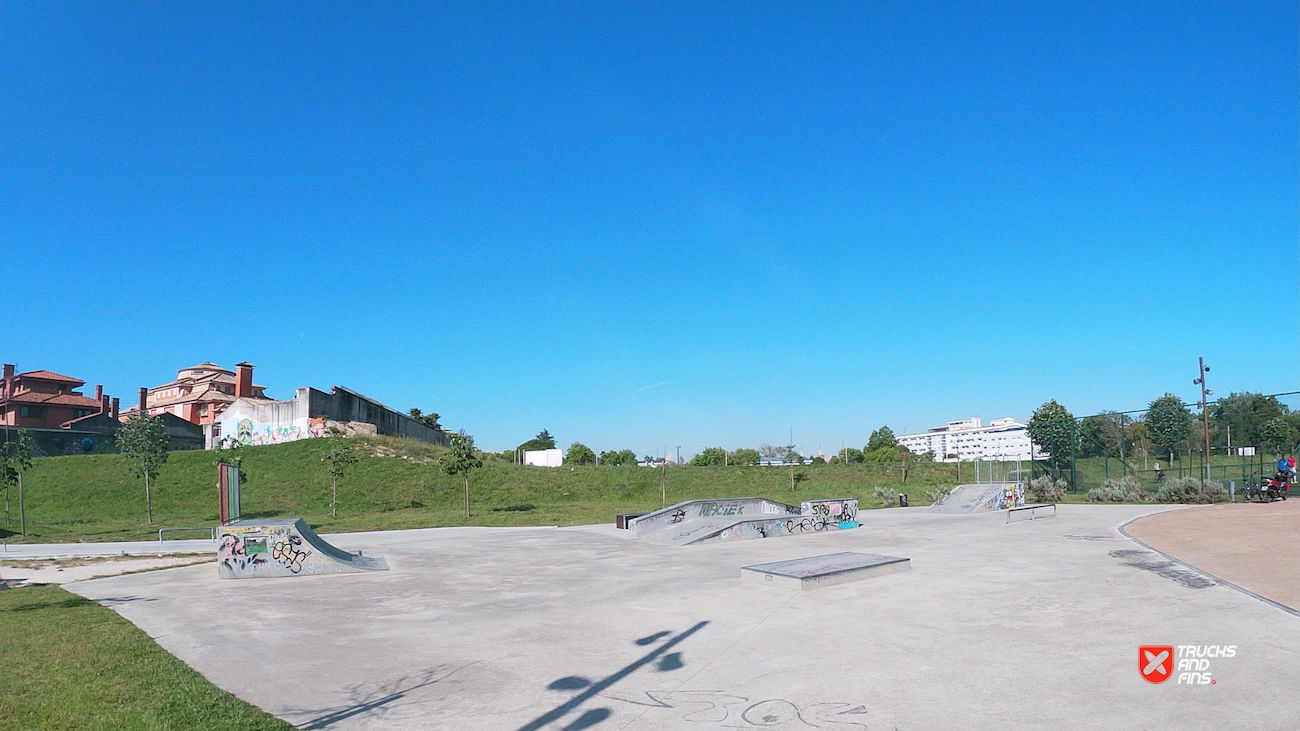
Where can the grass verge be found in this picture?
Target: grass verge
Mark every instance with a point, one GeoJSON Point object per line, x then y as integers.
{"type": "Point", "coordinates": [69, 663]}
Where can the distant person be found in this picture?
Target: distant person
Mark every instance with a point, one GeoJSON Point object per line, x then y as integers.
{"type": "Point", "coordinates": [1160, 476]}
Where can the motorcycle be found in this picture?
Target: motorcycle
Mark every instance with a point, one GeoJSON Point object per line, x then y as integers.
{"type": "Point", "coordinates": [1275, 487]}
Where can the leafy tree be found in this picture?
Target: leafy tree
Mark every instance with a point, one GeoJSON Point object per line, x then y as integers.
{"type": "Point", "coordinates": [882, 455]}
{"type": "Point", "coordinates": [882, 437]}
{"type": "Point", "coordinates": [1277, 436]}
{"type": "Point", "coordinates": [1169, 422]}
{"type": "Point", "coordinates": [543, 440]}
{"type": "Point", "coordinates": [1246, 414]}
{"type": "Point", "coordinates": [710, 456]}
{"type": "Point", "coordinates": [580, 453]}
{"type": "Point", "coordinates": [430, 420]}
{"type": "Point", "coordinates": [460, 459]}
{"type": "Point", "coordinates": [618, 459]}
{"type": "Point", "coordinates": [339, 457]}
{"type": "Point", "coordinates": [745, 457]}
{"type": "Point", "coordinates": [142, 440]}
{"type": "Point", "coordinates": [792, 455]}
{"type": "Point", "coordinates": [851, 455]}
{"type": "Point", "coordinates": [1052, 428]}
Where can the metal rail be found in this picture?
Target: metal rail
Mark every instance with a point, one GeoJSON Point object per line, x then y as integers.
{"type": "Point", "coordinates": [1031, 509]}
{"type": "Point", "coordinates": [210, 529]}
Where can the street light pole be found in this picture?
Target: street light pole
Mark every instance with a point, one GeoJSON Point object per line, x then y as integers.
{"type": "Point", "coordinates": [1205, 412]}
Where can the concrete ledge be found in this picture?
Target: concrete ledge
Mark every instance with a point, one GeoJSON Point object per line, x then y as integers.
{"type": "Point", "coordinates": [814, 572]}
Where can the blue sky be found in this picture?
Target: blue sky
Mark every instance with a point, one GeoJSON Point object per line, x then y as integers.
{"type": "Point", "coordinates": [658, 224]}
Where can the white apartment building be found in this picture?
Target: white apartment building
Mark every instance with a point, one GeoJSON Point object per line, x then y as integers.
{"type": "Point", "coordinates": [967, 439]}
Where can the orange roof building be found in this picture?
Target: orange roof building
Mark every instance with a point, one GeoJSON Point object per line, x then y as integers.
{"type": "Point", "coordinates": [46, 400]}
{"type": "Point", "coordinates": [200, 392]}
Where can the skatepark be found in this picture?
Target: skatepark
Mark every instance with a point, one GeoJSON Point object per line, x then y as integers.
{"type": "Point", "coordinates": [999, 623]}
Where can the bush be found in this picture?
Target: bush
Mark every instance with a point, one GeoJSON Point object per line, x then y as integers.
{"type": "Point", "coordinates": [1045, 490]}
{"type": "Point", "coordinates": [886, 497]}
{"type": "Point", "coordinates": [1191, 491]}
{"type": "Point", "coordinates": [938, 494]}
{"type": "Point", "coordinates": [1123, 490]}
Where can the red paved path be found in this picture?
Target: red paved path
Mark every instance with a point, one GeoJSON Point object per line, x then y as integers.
{"type": "Point", "coordinates": [1253, 545]}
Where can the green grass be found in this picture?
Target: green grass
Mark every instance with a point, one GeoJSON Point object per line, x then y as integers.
{"type": "Point", "coordinates": [69, 663]}
{"type": "Point", "coordinates": [397, 484]}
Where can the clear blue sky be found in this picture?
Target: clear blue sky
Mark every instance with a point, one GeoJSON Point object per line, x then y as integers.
{"type": "Point", "coordinates": [658, 224]}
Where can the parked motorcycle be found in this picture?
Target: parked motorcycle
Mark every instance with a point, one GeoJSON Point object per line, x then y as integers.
{"type": "Point", "coordinates": [1275, 487]}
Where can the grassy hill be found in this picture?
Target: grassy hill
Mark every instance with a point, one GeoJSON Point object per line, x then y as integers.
{"type": "Point", "coordinates": [397, 484]}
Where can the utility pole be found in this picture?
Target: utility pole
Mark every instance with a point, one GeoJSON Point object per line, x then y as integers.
{"type": "Point", "coordinates": [1205, 412]}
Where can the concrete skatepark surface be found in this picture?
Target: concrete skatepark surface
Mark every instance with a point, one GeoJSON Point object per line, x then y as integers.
{"type": "Point", "coordinates": [1030, 625]}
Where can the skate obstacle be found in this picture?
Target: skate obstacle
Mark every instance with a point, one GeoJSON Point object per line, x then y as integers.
{"type": "Point", "coordinates": [733, 519]}
{"type": "Point", "coordinates": [284, 547]}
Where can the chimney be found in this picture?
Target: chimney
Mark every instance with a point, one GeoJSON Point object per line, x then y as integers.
{"type": "Point", "coordinates": [116, 403]}
{"type": "Point", "coordinates": [9, 371]}
{"type": "Point", "coordinates": [99, 393]}
{"type": "Point", "coordinates": [103, 403]}
{"type": "Point", "coordinates": [243, 380]}
{"type": "Point", "coordinates": [8, 380]}
{"type": "Point", "coordinates": [144, 401]}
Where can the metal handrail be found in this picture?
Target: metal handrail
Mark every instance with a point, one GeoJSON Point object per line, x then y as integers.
{"type": "Point", "coordinates": [210, 529]}
{"type": "Point", "coordinates": [1031, 509]}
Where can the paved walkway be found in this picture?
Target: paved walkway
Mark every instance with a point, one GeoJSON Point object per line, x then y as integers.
{"type": "Point", "coordinates": [1252, 545]}
{"type": "Point", "coordinates": [1031, 625]}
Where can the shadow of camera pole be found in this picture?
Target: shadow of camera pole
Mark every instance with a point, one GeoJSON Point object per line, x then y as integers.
{"type": "Point", "coordinates": [593, 717]}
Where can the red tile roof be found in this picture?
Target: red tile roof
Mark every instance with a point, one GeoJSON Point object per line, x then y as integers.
{"type": "Point", "coordinates": [54, 399]}
{"type": "Point", "coordinates": [50, 376]}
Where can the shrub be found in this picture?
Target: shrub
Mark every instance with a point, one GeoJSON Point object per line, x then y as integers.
{"type": "Point", "coordinates": [938, 494]}
{"type": "Point", "coordinates": [1123, 490]}
{"type": "Point", "coordinates": [1191, 490]}
{"type": "Point", "coordinates": [1045, 490]}
{"type": "Point", "coordinates": [886, 497]}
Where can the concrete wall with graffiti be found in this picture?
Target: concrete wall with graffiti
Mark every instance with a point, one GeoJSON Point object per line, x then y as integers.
{"type": "Point", "coordinates": [308, 414]}
{"type": "Point", "coordinates": [691, 509]}
{"type": "Point", "coordinates": [287, 547]}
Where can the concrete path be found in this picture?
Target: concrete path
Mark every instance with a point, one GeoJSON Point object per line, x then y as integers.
{"type": "Point", "coordinates": [61, 572]}
{"type": "Point", "coordinates": [26, 551]}
{"type": "Point", "coordinates": [1252, 545]}
{"type": "Point", "coordinates": [1031, 625]}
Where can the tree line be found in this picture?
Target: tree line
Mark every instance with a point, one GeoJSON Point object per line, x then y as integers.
{"type": "Point", "coordinates": [1168, 428]}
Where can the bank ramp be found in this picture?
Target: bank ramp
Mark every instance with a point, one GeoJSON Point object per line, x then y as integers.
{"type": "Point", "coordinates": [284, 547]}
{"type": "Point", "coordinates": [981, 497]}
{"type": "Point", "coordinates": [701, 521]}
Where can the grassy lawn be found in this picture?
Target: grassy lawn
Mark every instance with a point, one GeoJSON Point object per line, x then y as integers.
{"type": "Point", "coordinates": [69, 663]}
{"type": "Point", "coordinates": [397, 484]}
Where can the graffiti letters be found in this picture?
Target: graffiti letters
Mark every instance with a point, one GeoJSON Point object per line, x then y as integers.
{"type": "Point", "coordinates": [735, 711]}
{"type": "Point", "coordinates": [709, 510]}
{"type": "Point", "coordinates": [288, 551]}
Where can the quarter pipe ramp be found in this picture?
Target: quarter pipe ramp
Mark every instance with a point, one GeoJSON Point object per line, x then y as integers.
{"type": "Point", "coordinates": [284, 547]}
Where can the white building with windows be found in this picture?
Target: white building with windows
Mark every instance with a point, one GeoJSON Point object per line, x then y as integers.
{"type": "Point", "coordinates": [968, 439]}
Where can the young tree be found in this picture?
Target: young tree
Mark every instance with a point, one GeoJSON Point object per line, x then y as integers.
{"type": "Point", "coordinates": [1141, 439]}
{"type": "Point", "coordinates": [8, 477]}
{"type": "Point", "coordinates": [1169, 422]}
{"type": "Point", "coordinates": [1052, 428]}
{"type": "Point", "coordinates": [339, 456]}
{"type": "Point", "coordinates": [580, 453]}
{"type": "Point", "coordinates": [460, 459]}
{"type": "Point", "coordinates": [143, 442]}
{"type": "Point", "coordinates": [17, 459]}
{"type": "Point", "coordinates": [880, 438]}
